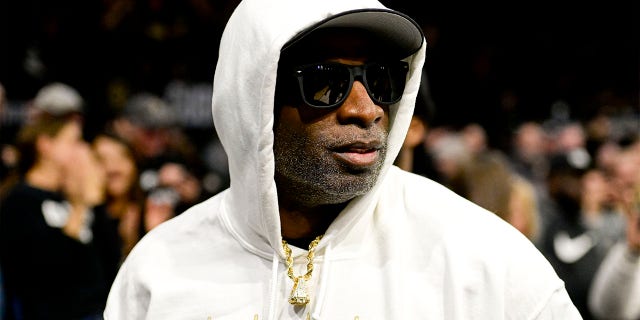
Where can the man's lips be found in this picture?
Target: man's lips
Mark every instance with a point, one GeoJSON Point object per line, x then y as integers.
{"type": "Point", "coordinates": [358, 154]}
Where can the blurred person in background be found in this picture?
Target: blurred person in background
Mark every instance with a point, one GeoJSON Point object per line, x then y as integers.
{"type": "Point", "coordinates": [616, 287]}
{"type": "Point", "coordinates": [149, 125]}
{"type": "Point", "coordinates": [567, 136]}
{"type": "Point", "coordinates": [584, 222]}
{"type": "Point", "coordinates": [170, 168]}
{"type": "Point", "coordinates": [177, 189]}
{"type": "Point", "coordinates": [528, 158]}
{"type": "Point", "coordinates": [615, 293]}
{"type": "Point", "coordinates": [54, 99]}
{"type": "Point", "coordinates": [475, 138]}
{"type": "Point", "coordinates": [3, 173]}
{"type": "Point", "coordinates": [479, 174]}
{"type": "Point", "coordinates": [524, 210]}
{"type": "Point", "coordinates": [450, 156]}
{"type": "Point", "coordinates": [124, 197]}
{"type": "Point", "coordinates": [485, 176]}
{"type": "Point", "coordinates": [490, 182]}
{"type": "Point", "coordinates": [54, 246]}
{"type": "Point", "coordinates": [414, 155]}
{"type": "Point", "coordinates": [8, 151]}
{"type": "Point", "coordinates": [528, 154]}
{"type": "Point", "coordinates": [178, 176]}
{"type": "Point", "coordinates": [487, 181]}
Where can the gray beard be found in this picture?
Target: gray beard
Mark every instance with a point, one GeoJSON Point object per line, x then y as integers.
{"type": "Point", "coordinates": [317, 181]}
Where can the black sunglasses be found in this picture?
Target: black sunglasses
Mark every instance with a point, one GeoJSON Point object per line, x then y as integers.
{"type": "Point", "coordinates": [327, 85]}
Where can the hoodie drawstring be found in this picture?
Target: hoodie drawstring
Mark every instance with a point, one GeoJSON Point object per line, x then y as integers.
{"type": "Point", "coordinates": [274, 287]}
{"type": "Point", "coordinates": [324, 276]}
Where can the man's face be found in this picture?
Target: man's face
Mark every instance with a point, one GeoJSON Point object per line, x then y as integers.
{"type": "Point", "coordinates": [330, 155]}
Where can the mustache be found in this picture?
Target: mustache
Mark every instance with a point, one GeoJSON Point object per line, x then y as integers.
{"type": "Point", "coordinates": [362, 140]}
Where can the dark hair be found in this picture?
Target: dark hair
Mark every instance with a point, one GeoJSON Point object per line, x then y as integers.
{"type": "Point", "coordinates": [109, 133]}
{"type": "Point", "coordinates": [135, 191]}
{"type": "Point", "coordinates": [27, 137]}
{"type": "Point", "coordinates": [43, 124]}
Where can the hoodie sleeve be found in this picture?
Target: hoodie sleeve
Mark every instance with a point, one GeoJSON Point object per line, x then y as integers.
{"type": "Point", "coordinates": [128, 298]}
{"type": "Point", "coordinates": [616, 286]}
{"type": "Point", "coordinates": [559, 307]}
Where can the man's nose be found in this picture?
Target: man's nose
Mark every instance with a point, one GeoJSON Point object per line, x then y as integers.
{"type": "Point", "coordinates": [358, 108]}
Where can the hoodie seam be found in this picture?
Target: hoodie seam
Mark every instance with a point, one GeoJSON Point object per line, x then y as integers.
{"type": "Point", "coordinates": [245, 244]}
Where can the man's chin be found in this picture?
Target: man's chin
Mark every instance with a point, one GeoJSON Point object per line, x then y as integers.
{"type": "Point", "coordinates": [346, 188]}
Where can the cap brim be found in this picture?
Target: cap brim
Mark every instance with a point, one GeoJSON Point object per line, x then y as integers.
{"type": "Point", "coordinates": [400, 34]}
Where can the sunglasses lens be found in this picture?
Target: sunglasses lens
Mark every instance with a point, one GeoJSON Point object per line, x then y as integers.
{"type": "Point", "coordinates": [328, 84]}
{"type": "Point", "coordinates": [325, 85]}
{"type": "Point", "coordinates": [386, 82]}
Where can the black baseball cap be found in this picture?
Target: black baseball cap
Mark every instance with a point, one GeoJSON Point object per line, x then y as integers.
{"type": "Point", "coordinates": [398, 33]}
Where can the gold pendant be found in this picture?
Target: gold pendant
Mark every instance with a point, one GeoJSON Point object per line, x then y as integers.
{"type": "Point", "coordinates": [299, 295]}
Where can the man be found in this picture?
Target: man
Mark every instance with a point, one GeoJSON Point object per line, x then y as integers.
{"type": "Point", "coordinates": [312, 113]}
{"type": "Point", "coordinates": [615, 291]}
{"type": "Point", "coordinates": [56, 247]}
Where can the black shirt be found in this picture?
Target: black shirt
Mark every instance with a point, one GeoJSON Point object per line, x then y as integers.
{"type": "Point", "coordinates": [47, 274]}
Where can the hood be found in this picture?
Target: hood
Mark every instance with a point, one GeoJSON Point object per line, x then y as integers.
{"type": "Point", "coordinates": [243, 105]}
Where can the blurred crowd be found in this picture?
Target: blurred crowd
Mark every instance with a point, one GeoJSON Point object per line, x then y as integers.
{"type": "Point", "coordinates": [72, 208]}
{"type": "Point", "coordinates": [83, 179]}
{"type": "Point", "coordinates": [571, 186]}
{"type": "Point", "coordinates": [75, 207]}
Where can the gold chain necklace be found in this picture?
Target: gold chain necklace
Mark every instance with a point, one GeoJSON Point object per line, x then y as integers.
{"type": "Point", "coordinates": [299, 295]}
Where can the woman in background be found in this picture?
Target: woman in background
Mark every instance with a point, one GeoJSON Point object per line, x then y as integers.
{"type": "Point", "coordinates": [124, 196]}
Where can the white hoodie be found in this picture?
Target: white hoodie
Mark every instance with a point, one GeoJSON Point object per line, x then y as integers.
{"type": "Point", "coordinates": [409, 249]}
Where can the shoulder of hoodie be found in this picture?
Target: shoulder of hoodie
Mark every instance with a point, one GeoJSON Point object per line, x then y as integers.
{"type": "Point", "coordinates": [199, 223]}
{"type": "Point", "coordinates": [472, 242]}
{"type": "Point", "coordinates": [427, 201]}
{"type": "Point", "coordinates": [443, 220]}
